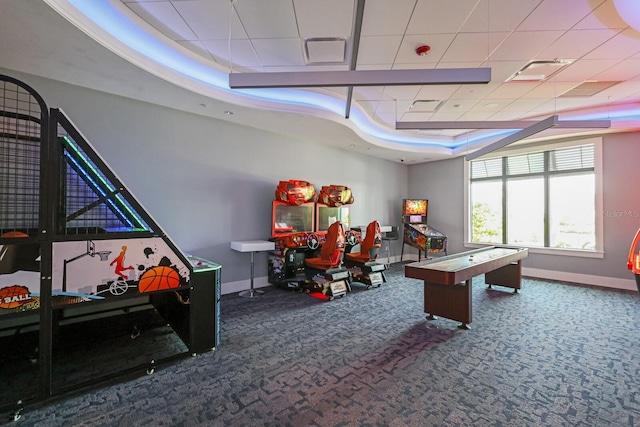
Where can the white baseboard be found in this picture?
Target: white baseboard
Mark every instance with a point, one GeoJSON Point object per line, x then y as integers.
{"type": "Point", "coordinates": [561, 276]}
{"type": "Point", "coordinates": [243, 285]}
{"type": "Point", "coordinates": [586, 279]}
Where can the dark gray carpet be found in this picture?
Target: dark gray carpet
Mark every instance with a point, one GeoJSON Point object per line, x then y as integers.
{"type": "Point", "coordinates": [552, 355]}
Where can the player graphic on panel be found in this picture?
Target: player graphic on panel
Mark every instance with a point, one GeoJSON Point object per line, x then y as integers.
{"type": "Point", "coordinates": [119, 262]}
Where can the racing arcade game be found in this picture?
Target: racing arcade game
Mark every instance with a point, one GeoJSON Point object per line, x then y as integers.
{"type": "Point", "coordinates": [297, 235]}
{"type": "Point", "coordinates": [416, 232]}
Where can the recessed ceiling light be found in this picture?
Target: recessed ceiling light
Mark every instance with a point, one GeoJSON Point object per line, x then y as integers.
{"type": "Point", "coordinates": [229, 113]}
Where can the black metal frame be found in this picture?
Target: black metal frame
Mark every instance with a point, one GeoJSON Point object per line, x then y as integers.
{"type": "Point", "coordinates": [52, 228]}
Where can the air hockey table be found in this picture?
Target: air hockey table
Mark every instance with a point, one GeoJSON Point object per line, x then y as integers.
{"type": "Point", "coordinates": [447, 280]}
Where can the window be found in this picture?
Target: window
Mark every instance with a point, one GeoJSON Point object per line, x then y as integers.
{"type": "Point", "coordinates": [540, 198]}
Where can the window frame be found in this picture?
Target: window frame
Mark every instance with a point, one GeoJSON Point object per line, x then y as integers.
{"type": "Point", "coordinates": [533, 148]}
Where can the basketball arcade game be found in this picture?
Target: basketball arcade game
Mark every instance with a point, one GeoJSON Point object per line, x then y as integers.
{"type": "Point", "coordinates": [82, 263]}
{"type": "Point", "coordinates": [416, 232]}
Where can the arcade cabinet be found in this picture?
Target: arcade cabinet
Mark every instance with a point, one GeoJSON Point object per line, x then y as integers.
{"type": "Point", "coordinates": [292, 231]}
{"type": "Point", "coordinates": [326, 269]}
{"type": "Point", "coordinates": [416, 232]}
{"type": "Point", "coordinates": [362, 264]}
{"type": "Point", "coordinates": [90, 286]}
{"type": "Point", "coordinates": [299, 228]}
{"type": "Point", "coordinates": [633, 262]}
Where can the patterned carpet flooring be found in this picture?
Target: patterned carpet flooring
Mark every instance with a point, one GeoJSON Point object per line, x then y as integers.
{"type": "Point", "coordinates": [553, 354]}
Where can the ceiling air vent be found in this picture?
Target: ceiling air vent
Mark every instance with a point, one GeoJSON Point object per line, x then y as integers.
{"type": "Point", "coordinates": [425, 106]}
{"type": "Point", "coordinates": [325, 50]}
{"type": "Point", "coordinates": [588, 88]}
{"type": "Point", "coordinates": [536, 71]}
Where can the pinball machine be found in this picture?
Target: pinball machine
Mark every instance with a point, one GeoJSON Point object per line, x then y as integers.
{"type": "Point", "coordinates": [417, 233]}
{"type": "Point", "coordinates": [82, 265]}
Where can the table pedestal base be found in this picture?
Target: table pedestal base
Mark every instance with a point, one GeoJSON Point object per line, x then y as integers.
{"type": "Point", "coordinates": [250, 293]}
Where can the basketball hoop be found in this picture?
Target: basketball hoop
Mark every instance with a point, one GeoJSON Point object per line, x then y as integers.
{"type": "Point", "coordinates": [104, 255]}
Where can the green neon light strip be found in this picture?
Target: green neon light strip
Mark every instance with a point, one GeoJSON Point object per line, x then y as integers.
{"type": "Point", "coordinates": [98, 174]}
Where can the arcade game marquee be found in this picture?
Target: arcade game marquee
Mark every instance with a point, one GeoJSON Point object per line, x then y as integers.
{"type": "Point", "coordinates": [416, 232]}
{"type": "Point", "coordinates": [90, 286]}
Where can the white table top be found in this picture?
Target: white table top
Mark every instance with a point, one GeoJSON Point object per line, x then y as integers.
{"type": "Point", "coordinates": [253, 245]}
{"type": "Point", "coordinates": [383, 229]}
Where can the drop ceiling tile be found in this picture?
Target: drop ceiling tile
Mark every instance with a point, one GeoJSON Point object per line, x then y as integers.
{"type": "Point", "coordinates": [575, 44]}
{"type": "Point", "coordinates": [279, 52]}
{"type": "Point", "coordinates": [498, 15]}
{"type": "Point", "coordinates": [378, 50]}
{"type": "Point", "coordinates": [549, 89]}
{"type": "Point", "coordinates": [557, 15]}
{"type": "Point", "coordinates": [603, 16]}
{"type": "Point", "coordinates": [383, 17]}
{"type": "Point", "coordinates": [401, 92]}
{"type": "Point", "coordinates": [624, 70]}
{"type": "Point", "coordinates": [368, 92]}
{"type": "Point", "coordinates": [623, 90]}
{"type": "Point", "coordinates": [473, 47]}
{"type": "Point", "coordinates": [491, 105]}
{"type": "Point", "coordinates": [387, 106]}
{"type": "Point", "coordinates": [474, 92]}
{"type": "Point", "coordinates": [267, 19]}
{"type": "Point", "coordinates": [437, 91]}
{"type": "Point", "coordinates": [242, 52]}
{"type": "Point", "coordinates": [446, 116]}
{"type": "Point", "coordinates": [164, 17]}
{"type": "Point", "coordinates": [476, 115]}
{"type": "Point", "coordinates": [438, 16]}
{"type": "Point", "coordinates": [524, 45]}
{"type": "Point", "coordinates": [414, 117]}
{"type": "Point", "coordinates": [326, 18]}
{"type": "Point", "coordinates": [584, 69]}
{"type": "Point", "coordinates": [458, 106]}
{"type": "Point", "coordinates": [621, 46]}
{"type": "Point", "coordinates": [512, 90]}
{"type": "Point", "coordinates": [523, 105]}
{"type": "Point", "coordinates": [210, 20]}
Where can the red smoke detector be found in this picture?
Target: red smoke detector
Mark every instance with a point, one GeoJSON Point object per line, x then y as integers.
{"type": "Point", "coordinates": [423, 50]}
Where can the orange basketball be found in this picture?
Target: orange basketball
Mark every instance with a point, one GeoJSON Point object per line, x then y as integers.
{"type": "Point", "coordinates": [14, 234]}
{"type": "Point", "coordinates": [14, 296]}
{"type": "Point", "coordinates": [159, 278]}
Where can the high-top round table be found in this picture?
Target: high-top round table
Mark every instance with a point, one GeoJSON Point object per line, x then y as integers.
{"type": "Point", "coordinates": [252, 246]}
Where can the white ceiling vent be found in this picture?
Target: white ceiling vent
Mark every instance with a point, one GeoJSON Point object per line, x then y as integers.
{"type": "Point", "coordinates": [588, 88]}
{"type": "Point", "coordinates": [425, 106]}
{"type": "Point", "coordinates": [325, 50]}
{"type": "Point", "coordinates": [536, 71]}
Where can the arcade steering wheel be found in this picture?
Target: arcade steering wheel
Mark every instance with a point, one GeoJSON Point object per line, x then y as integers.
{"type": "Point", "coordinates": [313, 242]}
{"type": "Point", "coordinates": [352, 238]}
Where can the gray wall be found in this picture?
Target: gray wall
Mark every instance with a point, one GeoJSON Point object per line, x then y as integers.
{"type": "Point", "coordinates": [443, 183]}
{"type": "Point", "coordinates": [208, 182]}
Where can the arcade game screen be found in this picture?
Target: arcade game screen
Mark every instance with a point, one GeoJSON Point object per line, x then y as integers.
{"type": "Point", "coordinates": [414, 211]}
{"type": "Point", "coordinates": [327, 215]}
{"type": "Point", "coordinates": [286, 218]}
